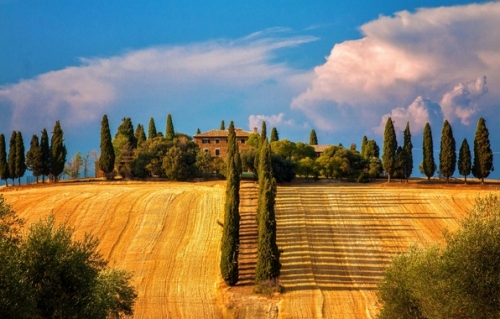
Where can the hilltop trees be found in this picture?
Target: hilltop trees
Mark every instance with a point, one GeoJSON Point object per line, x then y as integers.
{"type": "Point", "coordinates": [483, 155]}
{"type": "Point", "coordinates": [20, 157]}
{"type": "Point", "coordinates": [34, 157]}
{"type": "Point", "coordinates": [464, 160]}
{"type": "Point", "coordinates": [222, 125]}
{"type": "Point", "coordinates": [230, 233]}
{"type": "Point", "coordinates": [364, 141]}
{"type": "Point", "coordinates": [107, 158]}
{"type": "Point", "coordinates": [408, 149]}
{"type": "Point", "coordinates": [390, 147]}
{"type": "Point", "coordinates": [169, 130]}
{"type": "Point", "coordinates": [313, 139]}
{"type": "Point", "coordinates": [447, 154]}
{"type": "Point", "coordinates": [151, 129]}
{"type": "Point", "coordinates": [140, 135]}
{"type": "Point", "coordinates": [57, 152]}
{"type": "Point", "coordinates": [274, 135]}
{"type": "Point", "coordinates": [45, 150]}
{"type": "Point", "coordinates": [12, 157]}
{"type": "Point", "coordinates": [4, 168]}
{"type": "Point", "coordinates": [428, 167]}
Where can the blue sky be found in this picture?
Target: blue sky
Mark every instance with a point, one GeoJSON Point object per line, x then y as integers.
{"type": "Point", "coordinates": [339, 67]}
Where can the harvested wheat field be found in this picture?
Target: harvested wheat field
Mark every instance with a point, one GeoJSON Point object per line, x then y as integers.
{"type": "Point", "coordinates": [336, 241]}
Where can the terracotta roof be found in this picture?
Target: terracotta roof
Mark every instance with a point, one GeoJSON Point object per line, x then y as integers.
{"type": "Point", "coordinates": [321, 148]}
{"type": "Point", "coordinates": [223, 133]}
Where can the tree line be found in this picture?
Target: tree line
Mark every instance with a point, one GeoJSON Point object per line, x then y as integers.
{"type": "Point", "coordinates": [41, 159]}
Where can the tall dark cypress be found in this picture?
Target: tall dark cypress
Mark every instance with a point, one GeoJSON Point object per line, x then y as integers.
{"type": "Point", "coordinates": [447, 153]}
{"type": "Point", "coordinates": [230, 233]}
{"type": "Point", "coordinates": [263, 133]}
{"type": "Point", "coordinates": [198, 131]}
{"type": "Point", "coordinates": [45, 150]}
{"type": "Point", "coordinates": [139, 134]}
{"type": "Point", "coordinates": [222, 125]}
{"type": "Point", "coordinates": [4, 168]}
{"type": "Point", "coordinates": [34, 157]}
{"type": "Point", "coordinates": [408, 147]}
{"type": "Point", "coordinates": [464, 160]}
{"type": "Point", "coordinates": [274, 135]}
{"type": "Point", "coordinates": [107, 158]}
{"type": "Point", "coordinates": [151, 129]}
{"type": "Point", "coordinates": [57, 152]}
{"type": "Point", "coordinates": [126, 129]}
{"type": "Point", "coordinates": [428, 164]}
{"type": "Point", "coordinates": [268, 255]}
{"type": "Point", "coordinates": [390, 147]}
{"type": "Point", "coordinates": [12, 157]}
{"type": "Point", "coordinates": [364, 143]}
{"type": "Point", "coordinates": [313, 139]}
{"type": "Point", "coordinates": [483, 155]}
{"type": "Point", "coordinates": [20, 157]}
{"type": "Point", "coordinates": [169, 131]}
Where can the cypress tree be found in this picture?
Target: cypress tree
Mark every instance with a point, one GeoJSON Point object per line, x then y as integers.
{"type": "Point", "coordinates": [126, 129]}
{"type": "Point", "coordinates": [12, 157]}
{"type": "Point", "coordinates": [169, 132]}
{"type": "Point", "coordinates": [107, 158]}
{"type": "Point", "coordinates": [400, 163]}
{"type": "Point", "coordinates": [198, 131]}
{"type": "Point", "coordinates": [230, 233]}
{"type": "Point", "coordinates": [57, 152]}
{"type": "Point", "coordinates": [428, 164]}
{"type": "Point", "coordinates": [20, 157]}
{"type": "Point", "coordinates": [151, 129]}
{"type": "Point", "coordinates": [45, 150]}
{"type": "Point", "coordinates": [364, 143]}
{"type": "Point", "coordinates": [390, 147]}
{"type": "Point", "coordinates": [263, 133]}
{"type": "Point", "coordinates": [222, 125]}
{"type": "Point", "coordinates": [408, 148]}
{"type": "Point", "coordinates": [274, 135]}
{"type": "Point", "coordinates": [34, 157]}
{"type": "Point", "coordinates": [313, 139]}
{"type": "Point", "coordinates": [4, 168]}
{"type": "Point", "coordinates": [464, 160]}
{"type": "Point", "coordinates": [447, 153]}
{"type": "Point", "coordinates": [268, 256]}
{"type": "Point", "coordinates": [139, 134]}
{"type": "Point", "coordinates": [483, 155]}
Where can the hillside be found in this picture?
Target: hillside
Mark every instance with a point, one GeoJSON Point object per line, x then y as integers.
{"type": "Point", "coordinates": [336, 241]}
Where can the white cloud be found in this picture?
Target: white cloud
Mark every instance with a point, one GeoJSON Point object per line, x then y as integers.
{"type": "Point", "coordinates": [425, 53]}
{"type": "Point", "coordinates": [84, 93]}
{"type": "Point", "coordinates": [271, 120]}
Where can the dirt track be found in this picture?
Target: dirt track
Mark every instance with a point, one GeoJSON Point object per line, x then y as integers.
{"type": "Point", "coordinates": [336, 240]}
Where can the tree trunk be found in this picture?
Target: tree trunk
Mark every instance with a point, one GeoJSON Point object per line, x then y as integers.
{"type": "Point", "coordinates": [465, 176]}
{"type": "Point", "coordinates": [6, 182]}
{"type": "Point", "coordinates": [388, 178]}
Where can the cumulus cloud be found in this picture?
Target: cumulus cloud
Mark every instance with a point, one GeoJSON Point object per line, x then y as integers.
{"type": "Point", "coordinates": [83, 93]}
{"type": "Point", "coordinates": [271, 120]}
{"type": "Point", "coordinates": [411, 54]}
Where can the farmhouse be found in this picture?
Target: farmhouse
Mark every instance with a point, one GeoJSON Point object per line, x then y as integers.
{"type": "Point", "coordinates": [215, 141]}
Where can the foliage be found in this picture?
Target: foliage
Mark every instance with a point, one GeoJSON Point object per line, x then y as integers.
{"type": "Point", "coordinates": [263, 133]}
{"type": "Point", "coordinates": [151, 129]}
{"type": "Point", "coordinates": [283, 170]}
{"type": "Point", "coordinates": [372, 149]}
{"type": "Point", "coordinates": [400, 163]}
{"type": "Point", "coordinates": [124, 144]}
{"type": "Point", "coordinates": [428, 166]}
{"type": "Point", "coordinates": [458, 280]}
{"type": "Point", "coordinates": [483, 155]}
{"type": "Point", "coordinates": [4, 168]}
{"type": "Point", "coordinates": [464, 160]}
{"type": "Point", "coordinates": [222, 125]}
{"type": "Point", "coordinates": [72, 168]}
{"type": "Point", "coordinates": [308, 167]}
{"type": "Point", "coordinates": [107, 158]}
{"type": "Point", "coordinates": [147, 158]}
{"type": "Point", "coordinates": [364, 142]}
{"type": "Point", "coordinates": [44, 146]}
{"type": "Point", "coordinates": [204, 163]}
{"type": "Point", "coordinates": [390, 147]}
{"type": "Point", "coordinates": [57, 152]}
{"type": "Point", "coordinates": [408, 148]}
{"type": "Point", "coordinates": [20, 157]}
{"type": "Point", "coordinates": [169, 130]}
{"type": "Point", "coordinates": [274, 135]}
{"type": "Point", "coordinates": [253, 140]}
{"type": "Point", "coordinates": [447, 154]}
{"type": "Point", "coordinates": [139, 134]}
{"type": "Point", "coordinates": [11, 163]}
{"type": "Point", "coordinates": [34, 157]}
{"type": "Point", "coordinates": [179, 162]}
{"type": "Point", "coordinates": [313, 139]}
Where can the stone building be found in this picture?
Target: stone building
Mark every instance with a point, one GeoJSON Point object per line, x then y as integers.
{"type": "Point", "coordinates": [215, 141]}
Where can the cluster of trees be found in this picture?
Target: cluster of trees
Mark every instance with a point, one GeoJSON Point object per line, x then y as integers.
{"type": "Point", "coordinates": [41, 159]}
{"type": "Point", "coordinates": [44, 273]}
{"type": "Point", "coordinates": [457, 280]}
{"type": "Point", "coordinates": [398, 161]}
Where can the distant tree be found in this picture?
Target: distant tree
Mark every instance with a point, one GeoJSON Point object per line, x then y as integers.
{"type": "Point", "coordinates": [86, 164]}
{"type": "Point", "coordinates": [447, 154]}
{"type": "Point", "coordinates": [151, 129]}
{"type": "Point", "coordinates": [483, 155]}
{"type": "Point", "coordinates": [204, 163]}
{"type": "Point", "coordinates": [57, 152]}
{"type": "Point", "coordinates": [307, 167]}
{"type": "Point", "coordinates": [198, 131]}
{"type": "Point", "coordinates": [372, 149]}
{"type": "Point", "coordinates": [4, 168]}
{"type": "Point", "coordinates": [45, 149]}
{"type": "Point", "coordinates": [174, 165]}
{"type": "Point", "coordinates": [230, 232]}
{"type": "Point", "coordinates": [126, 131]}
{"type": "Point", "coordinates": [253, 140]}
{"type": "Point", "coordinates": [353, 147]}
{"type": "Point", "coordinates": [107, 158]}
{"type": "Point", "coordinates": [34, 157]}
{"type": "Point", "coordinates": [464, 160]}
{"type": "Point", "coordinates": [428, 164]}
{"type": "Point", "coordinates": [313, 139]}
{"type": "Point", "coordinates": [303, 150]}
{"type": "Point", "coordinates": [263, 133]}
{"type": "Point", "coordinates": [148, 158]}
{"type": "Point", "coordinates": [364, 142]}
{"type": "Point", "coordinates": [124, 144]}
{"type": "Point", "coordinates": [169, 131]}
{"type": "Point", "coordinates": [274, 135]}
{"type": "Point", "coordinates": [20, 157]}
{"type": "Point", "coordinates": [12, 159]}
{"type": "Point", "coordinates": [390, 147]}
{"type": "Point", "coordinates": [139, 134]}
{"type": "Point", "coordinates": [408, 148]}
{"type": "Point", "coordinates": [222, 125]}
{"type": "Point", "coordinates": [72, 168]}
{"type": "Point", "coordinates": [400, 164]}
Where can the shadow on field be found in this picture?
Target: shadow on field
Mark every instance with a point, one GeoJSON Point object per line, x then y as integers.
{"type": "Point", "coordinates": [338, 239]}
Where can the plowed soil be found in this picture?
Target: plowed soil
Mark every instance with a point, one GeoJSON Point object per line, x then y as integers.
{"type": "Point", "coordinates": [336, 241]}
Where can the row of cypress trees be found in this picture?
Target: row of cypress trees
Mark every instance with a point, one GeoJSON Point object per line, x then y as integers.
{"type": "Point", "coordinates": [480, 167]}
{"type": "Point", "coordinates": [41, 159]}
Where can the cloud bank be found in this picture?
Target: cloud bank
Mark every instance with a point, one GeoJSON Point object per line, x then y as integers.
{"type": "Point", "coordinates": [447, 56]}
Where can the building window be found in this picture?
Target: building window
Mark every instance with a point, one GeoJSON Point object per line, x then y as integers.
{"type": "Point", "coordinates": [217, 141]}
{"type": "Point", "coordinates": [217, 152]}
{"type": "Point", "coordinates": [206, 150]}
{"type": "Point", "coordinates": [205, 141]}
{"type": "Point", "coordinates": [242, 141]}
